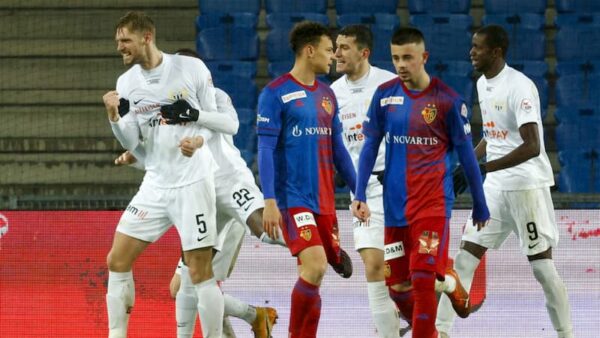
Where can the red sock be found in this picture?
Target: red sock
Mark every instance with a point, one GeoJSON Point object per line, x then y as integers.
{"type": "Point", "coordinates": [423, 323]}
{"type": "Point", "coordinates": [405, 303]}
{"type": "Point", "coordinates": [306, 310]}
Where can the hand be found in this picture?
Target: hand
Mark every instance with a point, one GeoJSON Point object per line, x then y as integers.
{"type": "Point", "coordinates": [125, 158]}
{"type": "Point", "coordinates": [111, 103]}
{"type": "Point", "coordinates": [268, 240]}
{"type": "Point", "coordinates": [480, 224]}
{"type": "Point", "coordinates": [189, 145]}
{"type": "Point", "coordinates": [271, 218]}
{"type": "Point", "coordinates": [480, 215]}
{"type": "Point", "coordinates": [179, 112]}
{"type": "Point", "coordinates": [360, 210]}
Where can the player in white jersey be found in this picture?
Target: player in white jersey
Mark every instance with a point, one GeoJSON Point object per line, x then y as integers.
{"type": "Point", "coordinates": [158, 102]}
{"type": "Point", "coordinates": [239, 201]}
{"type": "Point", "coordinates": [518, 180]}
{"type": "Point", "coordinates": [353, 92]}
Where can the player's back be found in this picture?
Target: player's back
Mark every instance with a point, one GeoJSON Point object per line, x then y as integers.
{"type": "Point", "coordinates": [303, 118]}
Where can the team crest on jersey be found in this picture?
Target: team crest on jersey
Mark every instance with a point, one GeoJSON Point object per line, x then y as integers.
{"type": "Point", "coordinates": [429, 242]}
{"type": "Point", "coordinates": [327, 104]}
{"type": "Point", "coordinates": [180, 95]}
{"type": "Point", "coordinates": [306, 234]}
{"type": "Point", "coordinates": [429, 113]}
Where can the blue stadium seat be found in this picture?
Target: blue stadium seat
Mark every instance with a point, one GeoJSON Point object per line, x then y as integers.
{"type": "Point", "coordinates": [228, 6]}
{"type": "Point", "coordinates": [246, 116]}
{"type": "Point", "coordinates": [580, 171]}
{"type": "Point", "coordinates": [577, 6]}
{"type": "Point", "coordinates": [578, 83]}
{"type": "Point", "coordinates": [279, 68]}
{"type": "Point", "coordinates": [526, 35]}
{"type": "Point", "coordinates": [439, 6]}
{"type": "Point", "coordinates": [278, 46]}
{"type": "Point", "coordinates": [245, 141]}
{"type": "Point", "coordinates": [446, 36]}
{"type": "Point", "coordinates": [578, 134]}
{"type": "Point", "coordinates": [456, 74]}
{"type": "Point", "coordinates": [382, 20]}
{"type": "Point", "coordinates": [575, 115]}
{"type": "Point", "coordinates": [243, 90]}
{"type": "Point", "coordinates": [288, 20]}
{"type": "Point", "coordinates": [536, 71]}
{"type": "Point", "coordinates": [294, 6]}
{"type": "Point", "coordinates": [578, 37]}
{"type": "Point", "coordinates": [227, 43]}
{"type": "Point", "coordinates": [514, 6]}
{"type": "Point", "coordinates": [212, 20]}
{"type": "Point", "coordinates": [363, 7]}
{"type": "Point", "coordinates": [236, 68]}
{"type": "Point", "coordinates": [382, 26]}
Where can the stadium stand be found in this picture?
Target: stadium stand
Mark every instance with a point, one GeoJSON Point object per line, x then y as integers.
{"type": "Point", "coordinates": [439, 6]}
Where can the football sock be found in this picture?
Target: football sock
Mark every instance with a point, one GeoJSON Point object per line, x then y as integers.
{"type": "Point", "coordinates": [236, 308]}
{"type": "Point", "coordinates": [210, 308]}
{"type": "Point", "coordinates": [423, 320]}
{"type": "Point", "coordinates": [305, 310]}
{"type": "Point", "coordinates": [186, 305]}
{"type": "Point", "coordinates": [383, 310]}
{"type": "Point", "coordinates": [120, 297]}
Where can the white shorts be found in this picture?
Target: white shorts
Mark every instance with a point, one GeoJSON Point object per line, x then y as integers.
{"type": "Point", "coordinates": [229, 242]}
{"type": "Point", "coordinates": [191, 208]}
{"type": "Point", "coordinates": [238, 196]}
{"type": "Point", "coordinates": [527, 213]}
{"type": "Point", "coordinates": [370, 234]}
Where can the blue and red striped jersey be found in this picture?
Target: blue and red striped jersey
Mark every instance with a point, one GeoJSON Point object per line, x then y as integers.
{"type": "Point", "coordinates": [420, 130]}
{"type": "Point", "coordinates": [304, 119]}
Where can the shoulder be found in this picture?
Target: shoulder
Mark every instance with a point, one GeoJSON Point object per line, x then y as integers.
{"type": "Point", "coordinates": [389, 84]}
{"type": "Point", "coordinates": [518, 81]}
{"type": "Point", "coordinates": [277, 82]}
{"type": "Point", "coordinates": [127, 80]}
{"type": "Point", "coordinates": [339, 84]}
{"type": "Point", "coordinates": [446, 91]}
{"type": "Point", "coordinates": [381, 75]}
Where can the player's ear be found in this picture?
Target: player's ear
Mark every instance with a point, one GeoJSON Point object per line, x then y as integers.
{"type": "Point", "coordinates": [309, 49]}
{"type": "Point", "coordinates": [425, 57]}
{"type": "Point", "coordinates": [366, 52]}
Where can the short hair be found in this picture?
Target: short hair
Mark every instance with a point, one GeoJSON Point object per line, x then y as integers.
{"type": "Point", "coordinates": [187, 52]}
{"type": "Point", "coordinates": [307, 33]}
{"type": "Point", "coordinates": [405, 35]}
{"type": "Point", "coordinates": [136, 21]}
{"type": "Point", "coordinates": [361, 33]}
{"type": "Point", "coordinates": [495, 37]}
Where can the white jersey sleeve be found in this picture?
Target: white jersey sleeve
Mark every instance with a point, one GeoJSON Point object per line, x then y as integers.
{"type": "Point", "coordinates": [508, 101]}
{"type": "Point", "coordinates": [225, 120]}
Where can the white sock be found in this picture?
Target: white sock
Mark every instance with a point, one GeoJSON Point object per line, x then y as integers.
{"type": "Point", "coordinates": [236, 308]}
{"type": "Point", "coordinates": [383, 310]}
{"type": "Point", "coordinates": [557, 301]}
{"type": "Point", "coordinates": [464, 265]}
{"type": "Point", "coordinates": [120, 297]}
{"type": "Point", "coordinates": [210, 308]}
{"type": "Point", "coordinates": [186, 305]}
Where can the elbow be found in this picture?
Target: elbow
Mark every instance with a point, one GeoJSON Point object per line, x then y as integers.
{"type": "Point", "coordinates": [534, 149]}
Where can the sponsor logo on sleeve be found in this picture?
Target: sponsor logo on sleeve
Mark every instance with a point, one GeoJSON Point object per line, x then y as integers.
{"type": "Point", "coordinates": [526, 105]}
{"type": "Point", "coordinates": [304, 219]}
{"type": "Point", "coordinates": [391, 100]}
{"type": "Point", "coordinates": [262, 119]}
{"type": "Point", "coordinates": [463, 111]}
{"type": "Point", "coordinates": [393, 251]}
{"type": "Point", "coordinates": [293, 96]}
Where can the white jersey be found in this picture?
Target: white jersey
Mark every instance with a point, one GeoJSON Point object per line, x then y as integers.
{"type": "Point", "coordinates": [225, 153]}
{"type": "Point", "coordinates": [177, 77]}
{"type": "Point", "coordinates": [508, 101]}
{"type": "Point", "coordinates": [354, 98]}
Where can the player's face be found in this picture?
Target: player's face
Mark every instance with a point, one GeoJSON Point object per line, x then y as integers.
{"type": "Point", "coordinates": [322, 55]}
{"type": "Point", "coordinates": [482, 56]}
{"type": "Point", "coordinates": [131, 45]}
{"type": "Point", "coordinates": [348, 55]}
{"type": "Point", "coordinates": [409, 61]}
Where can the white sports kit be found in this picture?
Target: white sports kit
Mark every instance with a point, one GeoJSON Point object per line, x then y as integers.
{"type": "Point", "coordinates": [518, 197]}
{"type": "Point", "coordinates": [176, 189]}
{"type": "Point", "coordinates": [354, 98]}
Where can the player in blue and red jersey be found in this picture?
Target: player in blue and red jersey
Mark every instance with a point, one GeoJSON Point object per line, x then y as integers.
{"type": "Point", "coordinates": [422, 122]}
{"type": "Point", "coordinates": [299, 142]}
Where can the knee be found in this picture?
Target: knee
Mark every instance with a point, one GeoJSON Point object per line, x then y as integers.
{"type": "Point", "coordinates": [116, 263]}
{"type": "Point", "coordinates": [314, 270]}
{"type": "Point", "coordinates": [374, 271]}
